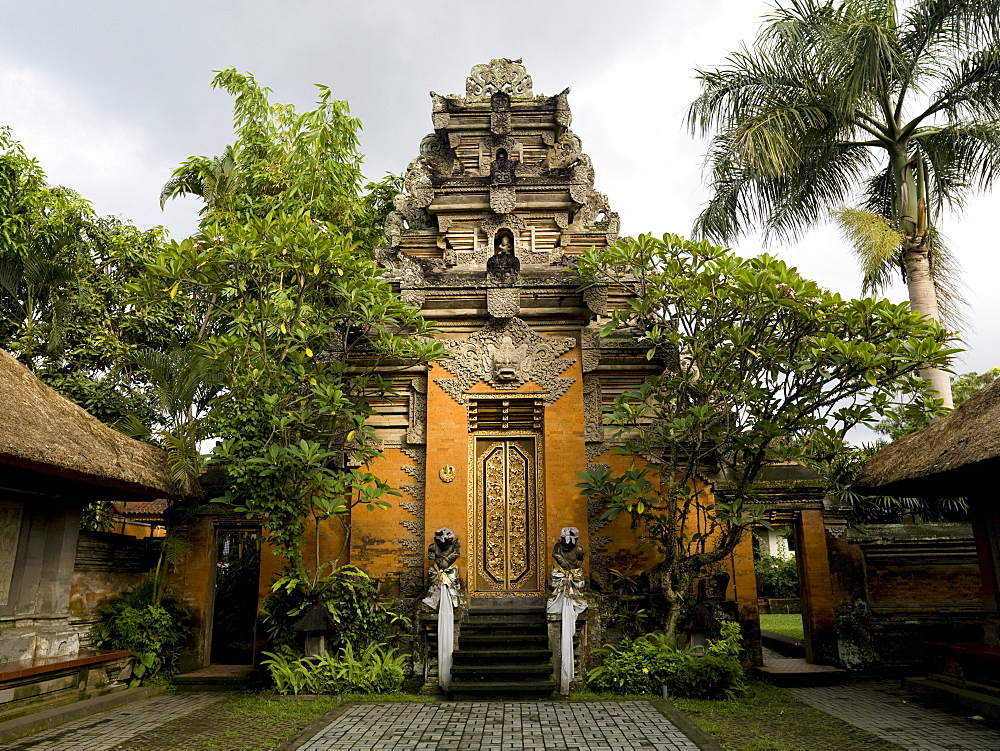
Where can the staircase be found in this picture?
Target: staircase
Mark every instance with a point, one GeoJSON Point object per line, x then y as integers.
{"type": "Point", "coordinates": [503, 650]}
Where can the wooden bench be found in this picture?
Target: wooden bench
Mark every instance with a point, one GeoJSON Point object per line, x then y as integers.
{"type": "Point", "coordinates": [28, 684]}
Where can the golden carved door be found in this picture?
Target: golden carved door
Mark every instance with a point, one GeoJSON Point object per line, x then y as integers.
{"type": "Point", "coordinates": [507, 518]}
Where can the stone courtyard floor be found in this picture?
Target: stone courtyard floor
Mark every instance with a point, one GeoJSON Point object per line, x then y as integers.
{"type": "Point", "coordinates": [190, 721]}
{"type": "Point", "coordinates": [502, 726]}
{"type": "Point", "coordinates": [886, 710]}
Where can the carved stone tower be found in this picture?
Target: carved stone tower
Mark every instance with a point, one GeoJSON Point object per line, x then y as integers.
{"type": "Point", "coordinates": [496, 208]}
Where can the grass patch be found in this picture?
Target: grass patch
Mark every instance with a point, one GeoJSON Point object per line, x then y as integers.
{"type": "Point", "coordinates": [249, 722]}
{"type": "Point", "coordinates": [789, 624]}
{"type": "Point", "coordinates": [767, 718]}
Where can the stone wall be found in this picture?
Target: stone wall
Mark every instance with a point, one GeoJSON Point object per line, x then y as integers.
{"type": "Point", "coordinates": [900, 585]}
{"type": "Point", "coordinates": [107, 564]}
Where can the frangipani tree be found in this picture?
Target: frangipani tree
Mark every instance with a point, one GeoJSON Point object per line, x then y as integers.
{"type": "Point", "coordinates": [761, 365]}
{"type": "Point", "coordinates": [882, 113]}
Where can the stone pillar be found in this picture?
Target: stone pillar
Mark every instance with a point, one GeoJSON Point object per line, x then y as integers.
{"type": "Point", "coordinates": [743, 589]}
{"type": "Point", "coordinates": [815, 588]}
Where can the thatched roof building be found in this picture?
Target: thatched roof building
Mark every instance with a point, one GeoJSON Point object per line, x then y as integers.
{"type": "Point", "coordinates": [43, 433]}
{"type": "Point", "coordinates": [958, 452]}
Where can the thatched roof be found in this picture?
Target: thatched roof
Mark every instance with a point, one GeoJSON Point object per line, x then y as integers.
{"type": "Point", "coordinates": [44, 433]}
{"type": "Point", "coordinates": [949, 458]}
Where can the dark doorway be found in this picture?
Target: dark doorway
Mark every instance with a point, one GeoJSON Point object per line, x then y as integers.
{"type": "Point", "coordinates": [236, 581]}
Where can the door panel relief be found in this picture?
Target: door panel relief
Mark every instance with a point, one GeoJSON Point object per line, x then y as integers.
{"type": "Point", "coordinates": [507, 518]}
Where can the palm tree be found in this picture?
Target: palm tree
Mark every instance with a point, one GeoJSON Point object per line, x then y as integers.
{"type": "Point", "coordinates": [858, 102]}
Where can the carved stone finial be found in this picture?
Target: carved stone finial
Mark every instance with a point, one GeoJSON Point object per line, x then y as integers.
{"type": "Point", "coordinates": [500, 74]}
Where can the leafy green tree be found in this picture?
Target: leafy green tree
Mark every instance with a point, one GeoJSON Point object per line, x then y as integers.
{"type": "Point", "coordinates": [838, 99]}
{"type": "Point", "coordinates": [760, 365]}
{"type": "Point", "coordinates": [292, 312]}
{"type": "Point", "coordinates": [64, 310]}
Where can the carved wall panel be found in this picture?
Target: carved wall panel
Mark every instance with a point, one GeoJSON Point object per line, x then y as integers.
{"type": "Point", "coordinates": [416, 430]}
{"type": "Point", "coordinates": [592, 409]}
{"type": "Point", "coordinates": [503, 302]}
{"type": "Point", "coordinates": [412, 576]}
{"type": "Point", "coordinates": [506, 354]}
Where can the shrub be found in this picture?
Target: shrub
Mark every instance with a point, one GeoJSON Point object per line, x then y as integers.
{"type": "Point", "coordinates": [349, 595]}
{"type": "Point", "coordinates": [377, 669]}
{"type": "Point", "coordinates": [643, 665]}
{"type": "Point", "coordinates": [154, 634]}
{"type": "Point", "coordinates": [777, 577]}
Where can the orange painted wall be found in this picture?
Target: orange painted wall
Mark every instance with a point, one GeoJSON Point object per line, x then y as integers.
{"type": "Point", "coordinates": [446, 503]}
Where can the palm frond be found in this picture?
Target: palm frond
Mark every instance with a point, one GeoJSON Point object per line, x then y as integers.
{"type": "Point", "coordinates": [875, 243]}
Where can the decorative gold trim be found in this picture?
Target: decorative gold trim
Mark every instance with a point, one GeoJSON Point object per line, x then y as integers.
{"type": "Point", "coordinates": [536, 545]}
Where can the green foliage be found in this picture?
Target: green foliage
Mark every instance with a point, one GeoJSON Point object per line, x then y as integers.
{"type": "Point", "coordinates": [760, 365]}
{"type": "Point", "coordinates": [643, 665]}
{"type": "Point", "coordinates": [292, 311]}
{"type": "Point", "coordinates": [98, 516]}
{"type": "Point", "coordinates": [350, 597]}
{"type": "Point", "coordinates": [777, 577]}
{"type": "Point", "coordinates": [838, 97]}
{"type": "Point", "coordinates": [843, 467]}
{"type": "Point", "coordinates": [910, 416]}
{"type": "Point", "coordinates": [155, 634]}
{"type": "Point", "coordinates": [375, 669]}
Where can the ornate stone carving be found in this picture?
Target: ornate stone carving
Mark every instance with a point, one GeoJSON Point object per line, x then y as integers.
{"type": "Point", "coordinates": [592, 417]}
{"type": "Point", "coordinates": [581, 181]}
{"type": "Point", "coordinates": [503, 198]}
{"type": "Point", "coordinates": [594, 450]}
{"type": "Point", "coordinates": [501, 74]}
{"type": "Point", "coordinates": [439, 112]}
{"type": "Point", "coordinates": [563, 115]}
{"type": "Point", "coordinates": [416, 429]}
{"type": "Point", "coordinates": [503, 302]}
{"type": "Point", "coordinates": [590, 348]}
{"type": "Point", "coordinates": [506, 354]}
{"type": "Point", "coordinates": [596, 298]}
{"type": "Point", "coordinates": [567, 552]}
{"type": "Point", "coordinates": [503, 266]}
{"type": "Point", "coordinates": [440, 155]}
{"type": "Point", "coordinates": [565, 151]}
{"type": "Point", "coordinates": [445, 549]}
{"type": "Point", "coordinates": [500, 113]}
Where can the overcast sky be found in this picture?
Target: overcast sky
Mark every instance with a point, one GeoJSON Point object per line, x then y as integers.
{"type": "Point", "coordinates": [111, 95]}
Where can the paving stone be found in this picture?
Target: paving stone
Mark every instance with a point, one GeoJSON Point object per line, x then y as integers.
{"type": "Point", "coordinates": [501, 726]}
{"type": "Point", "coordinates": [109, 729]}
{"type": "Point", "coordinates": [885, 709]}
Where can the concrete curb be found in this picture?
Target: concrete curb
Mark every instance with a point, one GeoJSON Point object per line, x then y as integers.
{"type": "Point", "coordinates": [686, 725]}
{"type": "Point", "coordinates": [47, 719]}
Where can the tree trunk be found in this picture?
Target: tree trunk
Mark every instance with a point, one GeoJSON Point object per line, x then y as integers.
{"type": "Point", "coordinates": [923, 298]}
{"type": "Point", "coordinates": [913, 224]}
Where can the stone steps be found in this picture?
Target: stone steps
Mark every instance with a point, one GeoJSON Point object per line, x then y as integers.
{"type": "Point", "coordinates": [503, 651]}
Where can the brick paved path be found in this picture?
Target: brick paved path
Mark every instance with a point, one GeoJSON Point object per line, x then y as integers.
{"type": "Point", "coordinates": [501, 726]}
{"type": "Point", "coordinates": [883, 708]}
{"type": "Point", "coordinates": [108, 729]}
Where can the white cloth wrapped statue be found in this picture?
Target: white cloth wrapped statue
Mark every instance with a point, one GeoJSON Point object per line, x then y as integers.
{"type": "Point", "coordinates": [443, 595]}
{"type": "Point", "coordinates": [567, 598]}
